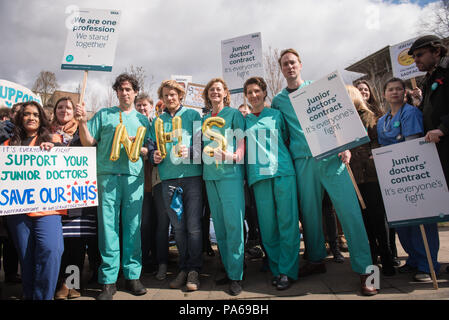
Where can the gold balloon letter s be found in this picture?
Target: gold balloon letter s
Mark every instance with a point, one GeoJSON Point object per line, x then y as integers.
{"type": "Point", "coordinates": [214, 136]}
{"type": "Point", "coordinates": [121, 137]}
{"type": "Point", "coordinates": [163, 137]}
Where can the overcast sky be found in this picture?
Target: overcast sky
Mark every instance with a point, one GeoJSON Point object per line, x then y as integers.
{"type": "Point", "coordinates": [183, 37]}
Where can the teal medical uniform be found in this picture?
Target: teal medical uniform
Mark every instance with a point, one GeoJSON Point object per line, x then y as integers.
{"type": "Point", "coordinates": [312, 177]}
{"type": "Point", "coordinates": [120, 190]}
{"type": "Point", "coordinates": [271, 174]}
{"type": "Point", "coordinates": [224, 186]}
{"type": "Point", "coordinates": [173, 167]}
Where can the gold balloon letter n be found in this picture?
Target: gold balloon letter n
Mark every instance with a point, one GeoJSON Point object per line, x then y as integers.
{"type": "Point", "coordinates": [121, 137]}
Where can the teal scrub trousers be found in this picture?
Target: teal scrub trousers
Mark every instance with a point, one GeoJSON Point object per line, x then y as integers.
{"type": "Point", "coordinates": [277, 211]}
{"type": "Point", "coordinates": [331, 174]}
{"type": "Point", "coordinates": [121, 197]}
{"type": "Point", "coordinates": [227, 207]}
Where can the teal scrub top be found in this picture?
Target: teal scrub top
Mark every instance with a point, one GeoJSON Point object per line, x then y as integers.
{"type": "Point", "coordinates": [298, 144]}
{"type": "Point", "coordinates": [267, 154]}
{"type": "Point", "coordinates": [102, 129]}
{"type": "Point", "coordinates": [173, 167]}
{"type": "Point", "coordinates": [234, 126]}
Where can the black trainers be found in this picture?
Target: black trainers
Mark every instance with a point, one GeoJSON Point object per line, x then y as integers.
{"type": "Point", "coordinates": [283, 282]}
{"type": "Point", "coordinates": [275, 280]}
{"type": "Point", "coordinates": [135, 287]}
{"type": "Point", "coordinates": [107, 292]}
{"type": "Point", "coordinates": [235, 288]}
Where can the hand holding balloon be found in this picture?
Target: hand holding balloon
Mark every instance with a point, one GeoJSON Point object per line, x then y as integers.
{"type": "Point", "coordinates": [157, 158]}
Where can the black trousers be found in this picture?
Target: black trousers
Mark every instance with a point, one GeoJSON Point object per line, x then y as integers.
{"type": "Point", "coordinates": [376, 225]}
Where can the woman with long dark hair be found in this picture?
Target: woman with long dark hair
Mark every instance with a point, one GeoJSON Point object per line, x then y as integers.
{"type": "Point", "coordinates": [38, 235]}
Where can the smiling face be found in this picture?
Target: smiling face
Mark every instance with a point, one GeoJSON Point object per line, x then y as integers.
{"type": "Point", "coordinates": [256, 96]}
{"type": "Point", "coordinates": [364, 90]}
{"type": "Point", "coordinates": [126, 94]}
{"type": "Point", "coordinates": [31, 120]}
{"type": "Point", "coordinates": [290, 66]}
{"type": "Point", "coordinates": [64, 112]}
{"type": "Point", "coordinates": [216, 93]}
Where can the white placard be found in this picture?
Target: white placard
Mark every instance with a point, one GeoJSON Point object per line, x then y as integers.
{"type": "Point", "coordinates": [33, 180]}
{"type": "Point", "coordinates": [412, 183]}
{"type": "Point", "coordinates": [403, 65]}
{"type": "Point", "coordinates": [241, 59]}
{"type": "Point", "coordinates": [91, 39]}
{"type": "Point", "coordinates": [194, 96]}
{"type": "Point", "coordinates": [328, 117]}
{"type": "Point", "coordinates": [182, 80]}
{"type": "Point", "coordinates": [12, 93]}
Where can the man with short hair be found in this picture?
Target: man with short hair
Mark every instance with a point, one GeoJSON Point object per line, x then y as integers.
{"type": "Point", "coordinates": [313, 177]}
{"type": "Point", "coordinates": [120, 188]}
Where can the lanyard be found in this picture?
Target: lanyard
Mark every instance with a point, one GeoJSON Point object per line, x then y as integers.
{"type": "Point", "coordinates": [396, 124]}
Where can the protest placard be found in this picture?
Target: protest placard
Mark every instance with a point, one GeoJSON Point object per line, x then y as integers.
{"type": "Point", "coordinates": [91, 39]}
{"type": "Point", "coordinates": [12, 93]}
{"type": "Point", "coordinates": [194, 96]}
{"type": "Point", "coordinates": [403, 65]}
{"type": "Point", "coordinates": [328, 117]}
{"type": "Point", "coordinates": [412, 183]}
{"type": "Point", "coordinates": [33, 180]}
{"type": "Point", "coordinates": [182, 80]}
{"type": "Point", "coordinates": [241, 59]}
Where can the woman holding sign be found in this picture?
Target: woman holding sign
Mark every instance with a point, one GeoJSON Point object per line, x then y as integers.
{"type": "Point", "coordinates": [274, 184]}
{"type": "Point", "coordinates": [79, 226]}
{"type": "Point", "coordinates": [223, 174]}
{"type": "Point", "coordinates": [38, 235]}
{"type": "Point", "coordinates": [404, 122]}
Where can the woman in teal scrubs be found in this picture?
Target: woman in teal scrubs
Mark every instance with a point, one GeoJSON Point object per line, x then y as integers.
{"type": "Point", "coordinates": [271, 174]}
{"type": "Point", "coordinates": [223, 175]}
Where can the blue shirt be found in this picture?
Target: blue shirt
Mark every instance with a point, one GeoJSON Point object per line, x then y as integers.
{"type": "Point", "coordinates": [408, 121]}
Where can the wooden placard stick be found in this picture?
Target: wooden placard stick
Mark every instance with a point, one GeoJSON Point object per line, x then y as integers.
{"type": "Point", "coordinates": [413, 81]}
{"type": "Point", "coordinates": [83, 88]}
{"type": "Point", "coordinates": [359, 195]}
{"type": "Point", "coordinates": [429, 258]}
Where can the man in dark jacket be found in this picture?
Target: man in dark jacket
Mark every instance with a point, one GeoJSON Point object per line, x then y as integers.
{"type": "Point", "coordinates": [430, 55]}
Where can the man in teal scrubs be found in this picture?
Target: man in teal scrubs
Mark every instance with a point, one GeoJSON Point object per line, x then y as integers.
{"type": "Point", "coordinates": [313, 177]}
{"type": "Point", "coordinates": [120, 188]}
{"type": "Point", "coordinates": [181, 172]}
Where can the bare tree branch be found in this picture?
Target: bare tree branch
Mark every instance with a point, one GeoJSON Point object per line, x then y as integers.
{"type": "Point", "coordinates": [45, 85]}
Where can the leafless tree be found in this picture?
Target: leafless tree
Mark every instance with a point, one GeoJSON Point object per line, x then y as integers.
{"type": "Point", "coordinates": [45, 85]}
{"type": "Point", "coordinates": [273, 75]}
{"type": "Point", "coordinates": [438, 21]}
{"type": "Point", "coordinates": [140, 74]}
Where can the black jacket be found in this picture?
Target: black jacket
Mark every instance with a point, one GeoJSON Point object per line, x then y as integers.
{"type": "Point", "coordinates": [435, 108]}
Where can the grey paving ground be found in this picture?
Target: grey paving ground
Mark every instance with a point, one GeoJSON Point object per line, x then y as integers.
{"type": "Point", "coordinates": [338, 283]}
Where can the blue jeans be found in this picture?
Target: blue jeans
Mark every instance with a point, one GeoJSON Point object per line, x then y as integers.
{"type": "Point", "coordinates": [412, 242]}
{"type": "Point", "coordinates": [148, 230]}
{"type": "Point", "coordinates": [188, 231]}
{"type": "Point", "coordinates": [163, 223]}
{"type": "Point", "coordinates": [40, 245]}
